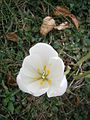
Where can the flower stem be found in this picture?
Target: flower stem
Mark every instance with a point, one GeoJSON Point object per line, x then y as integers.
{"type": "Point", "coordinates": [86, 74]}
{"type": "Point", "coordinates": [82, 59]}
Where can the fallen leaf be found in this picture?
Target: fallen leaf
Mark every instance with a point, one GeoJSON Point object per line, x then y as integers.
{"type": "Point", "coordinates": [12, 36]}
{"type": "Point", "coordinates": [11, 80]}
{"type": "Point", "coordinates": [75, 20]}
{"type": "Point", "coordinates": [60, 10]}
{"type": "Point", "coordinates": [64, 11]}
{"type": "Point", "coordinates": [47, 25]}
{"type": "Point", "coordinates": [62, 26]}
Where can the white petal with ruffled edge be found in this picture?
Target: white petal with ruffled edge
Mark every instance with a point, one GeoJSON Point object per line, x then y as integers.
{"type": "Point", "coordinates": [21, 84]}
{"type": "Point", "coordinates": [36, 89]}
{"type": "Point", "coordinates": [57, 89]}
{"type": "Point", "coordinates": [28, 71]}
{"type": "Point", "coordinates": [56, 67]}
{"type": "Point", "coordinates": [44, 50]}
{"type": "Point", "coordinates": [30, 65]}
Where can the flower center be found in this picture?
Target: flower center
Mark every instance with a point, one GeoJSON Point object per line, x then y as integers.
{"type": "Point", "coordinates": [43, 76]}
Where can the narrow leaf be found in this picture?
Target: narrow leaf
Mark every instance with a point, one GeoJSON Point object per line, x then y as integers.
{"type": "Point", "coordinates": [83, 59]}
{"type": "Point", "coordinates": [11, 107]}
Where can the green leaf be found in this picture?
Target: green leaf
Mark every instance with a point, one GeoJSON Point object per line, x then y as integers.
{"type": "Point", "coordinates": [11, 107]}
{"type": "Point", "coordinates": [6, 100]}
{"type": "Point", "coordinates": [55, 109]}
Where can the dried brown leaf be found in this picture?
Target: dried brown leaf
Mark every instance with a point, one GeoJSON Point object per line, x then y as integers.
{"type": "Point", "coordinates": [47, 25]}
{"type": "Point", "coordinates": [12, 36]}
{"type": "Point", "coordinates": [63, 10]}
{"type": "Point", "coordinates": [62, 26]}
{"type": "Point", "coordinates": [75, 20]}
{"type": "Point", "coordinates": [60, 10]}
{"type": "Point", "coordinates": [11, 80]}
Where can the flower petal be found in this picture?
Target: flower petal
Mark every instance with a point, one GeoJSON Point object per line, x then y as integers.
{"type": "Point", "coordinates": [21, 84]}
{"type": "Point", "coordinates": [36, 89]}
{"type": "Point", "coordinates": [30, 86]}
{"type": "Point", "coordinates": [26, 79]}
{"type": "Point", "coordinates": [56, 67]}
{"type": "Point", "coordinates": [30, 65]}
{"type": "Point", "coordinates": [57, 89]}
{"type": "Point", "coordinates": [44, 50]}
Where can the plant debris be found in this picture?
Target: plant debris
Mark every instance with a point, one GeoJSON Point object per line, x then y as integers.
{"type": "Point", "coordinates": [12, 36]}
{"type": "Point", "coordinates": [47, 25]}
{"type": "Point", "coordinates": [62, 26]}
{"type": "Point", "coordinates": [64, 11]}
{"type": "Point", "coordinates": [11, 80]}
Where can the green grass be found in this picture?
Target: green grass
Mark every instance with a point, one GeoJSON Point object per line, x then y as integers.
{"type": "Point", "coordinates": [71, 44]}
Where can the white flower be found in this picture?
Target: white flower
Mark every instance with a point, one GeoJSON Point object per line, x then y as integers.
{"type": "Point", "coordinates": [42, 71]}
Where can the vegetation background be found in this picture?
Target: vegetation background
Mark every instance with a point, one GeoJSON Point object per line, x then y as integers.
{"type": "Point", "coordinates": [24, 18]}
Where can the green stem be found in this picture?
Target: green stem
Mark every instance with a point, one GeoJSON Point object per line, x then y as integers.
{"type": "Point", "coordinates": [82, 59]}
{"type": "Point", "coordinates": [4, 86]}
{"type": "Point", "coordinates": [67, 70]}
{"type": "Point", "coordinates": [86, 74]}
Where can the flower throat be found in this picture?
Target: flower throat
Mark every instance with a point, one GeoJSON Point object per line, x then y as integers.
{"type": "Point", "coordinates": [43, 76]}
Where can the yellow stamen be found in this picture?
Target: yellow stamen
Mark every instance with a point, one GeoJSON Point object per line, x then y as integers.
{"type": "Point", "coordinates": [44, 67]}
{"type": "Point", "coordinates": [49, 82]}
{"type": "Point", "coordinates": [42, 82]}
{"type": "Point", "coordinates": [35, 78]}
{"type": "Point", "coordinates": [48, 71]}
{"type": "Point", "coordinates": [38, 70]}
